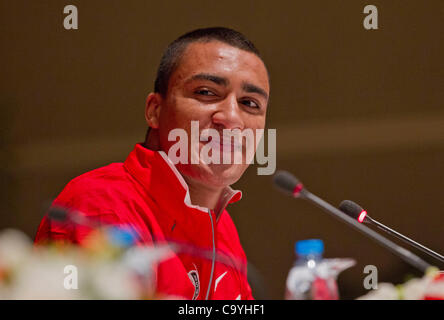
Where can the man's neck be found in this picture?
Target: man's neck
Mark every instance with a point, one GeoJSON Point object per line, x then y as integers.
{"type": "Point", "coordinates": [202, 195]}
{"type": "Point", "coordinates": [152, 140]}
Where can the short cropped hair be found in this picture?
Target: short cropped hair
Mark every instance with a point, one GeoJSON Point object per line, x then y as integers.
{"type": "Point", "coordinates": [175, 50]}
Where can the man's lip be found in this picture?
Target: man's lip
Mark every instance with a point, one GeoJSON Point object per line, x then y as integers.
{"type": "Point", "coordinates": [224, 143]}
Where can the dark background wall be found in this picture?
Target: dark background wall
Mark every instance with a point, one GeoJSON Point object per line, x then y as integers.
{"type": "Point", "coordinates": [359, 114]}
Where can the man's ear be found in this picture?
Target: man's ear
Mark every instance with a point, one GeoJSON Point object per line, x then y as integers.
{"type": "Point", "coordinates": [152, 109]}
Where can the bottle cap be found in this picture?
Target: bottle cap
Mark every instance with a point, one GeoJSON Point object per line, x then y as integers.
{"type": "Point", "coordinates": [311, 246]}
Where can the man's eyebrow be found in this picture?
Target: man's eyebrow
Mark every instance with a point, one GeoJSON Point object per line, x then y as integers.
{"type": "Point", "coordinates": [248, 87]}
{"type": "Point", "coordinates": [210, 77]}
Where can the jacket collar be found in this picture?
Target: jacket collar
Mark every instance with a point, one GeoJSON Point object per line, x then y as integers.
{"type": "Point", "coordinates": [161, 179]}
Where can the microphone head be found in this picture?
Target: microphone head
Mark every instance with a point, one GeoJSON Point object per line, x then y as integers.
{"type": "Point", "coordinates": [287, 183]}
{"type": "Point", "coordinates": [58, 213]}
{"type": "Point", "coordinates": [353, 210]}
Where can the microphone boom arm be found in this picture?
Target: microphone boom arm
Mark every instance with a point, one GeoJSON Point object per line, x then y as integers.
{"type": "Point", "coordinates": [404, 254]}
{"type": "Point", "coordinates": [406, 239]}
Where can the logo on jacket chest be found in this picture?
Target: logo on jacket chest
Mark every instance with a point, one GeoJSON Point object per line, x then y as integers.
{"type": "Point", "coordinates": [194, 278]}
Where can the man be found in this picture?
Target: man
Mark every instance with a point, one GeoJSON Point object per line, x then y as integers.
{"type": "Point", "coordinates": [216, 77]}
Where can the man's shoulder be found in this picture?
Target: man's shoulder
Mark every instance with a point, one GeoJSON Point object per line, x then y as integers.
{"type": "Point", "coordinates": [103, 188]}
{"type": "Point", "coordinates": [107, 195]}
{"type": "Point", "coordinates": [102, 177]}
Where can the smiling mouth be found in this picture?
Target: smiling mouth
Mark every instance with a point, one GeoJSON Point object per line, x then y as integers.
{"type": "Point", "coordinates": [224, 145]}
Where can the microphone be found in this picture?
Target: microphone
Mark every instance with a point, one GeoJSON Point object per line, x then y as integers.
{"type": "Point", "coordinates": [289, 184]}
{"type": "Point", "coordinates": [62, 214]}
{"type": "Point", "coordinates": [355, 211]}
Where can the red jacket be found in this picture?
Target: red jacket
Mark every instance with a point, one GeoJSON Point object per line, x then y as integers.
{"type": "Point", "coordinates": [148, 194]}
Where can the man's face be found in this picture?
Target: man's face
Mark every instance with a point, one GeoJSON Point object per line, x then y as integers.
{"type": "Point", "coordinates": [221, 87]}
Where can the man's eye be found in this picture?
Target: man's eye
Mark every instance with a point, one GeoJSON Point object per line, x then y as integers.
{"type": "Point", "coordinates": [205, 92]}
{"type": "Point", "coordinates": [250, 103]}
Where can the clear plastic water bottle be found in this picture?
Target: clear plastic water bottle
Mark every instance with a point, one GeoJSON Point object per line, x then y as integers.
{"type": "Point", "coordinates": [312, 277]}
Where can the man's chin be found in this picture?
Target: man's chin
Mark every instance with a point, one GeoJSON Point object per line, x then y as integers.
{"type": "Point", "coordinates": [226, 174]}
{"type": "Point", "coordinates": [215, 175]}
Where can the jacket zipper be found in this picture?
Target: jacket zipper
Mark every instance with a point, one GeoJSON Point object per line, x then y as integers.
{"type": "Point", "coordinates": [214, 256]}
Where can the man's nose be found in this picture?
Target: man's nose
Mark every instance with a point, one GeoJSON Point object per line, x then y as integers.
{"type": "Point", "coordinates": [228, 114]}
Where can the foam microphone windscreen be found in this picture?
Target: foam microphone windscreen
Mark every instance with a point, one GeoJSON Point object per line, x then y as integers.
{"type": "Point", "coordinates": [57, 213]}
{"type": "Point", "coordinates": [285, 181]}
{"type": "Point", "coordinates": [350, 208]}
